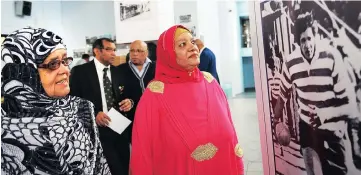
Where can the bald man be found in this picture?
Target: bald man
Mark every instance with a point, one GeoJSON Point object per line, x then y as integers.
{"type": "Point", "coordinates": [207, 60]}
{"type": "Point", "coordinates": [139, 71]}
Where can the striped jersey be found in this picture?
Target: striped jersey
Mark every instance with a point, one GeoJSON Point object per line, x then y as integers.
{"type": "Point", "coordinates": [322, 83]}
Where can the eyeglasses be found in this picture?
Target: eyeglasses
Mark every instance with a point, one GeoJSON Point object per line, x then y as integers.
{"type": "Point", "coordinates": [136, 50]}
{"type": "Point", "coordinates": [55, 64]}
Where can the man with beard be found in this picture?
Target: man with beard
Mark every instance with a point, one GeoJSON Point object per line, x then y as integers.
{"type": "Point", "coordinates": [324, 99]}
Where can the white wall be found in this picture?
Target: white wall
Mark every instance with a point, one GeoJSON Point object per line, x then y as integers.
{"type": "Point", "coordinates": [165, 16]}
{"type": "Point", "coordinates": [231, 69]}
{"type": "Point", "coordinates": [209, 28]}
{"type": "Point", "coordinates": [72, 20]}
{"type": "Point", "coordinates": [86, 18]}
{"type": "Point", "coordinates": [146, 26]}
{"type": "Point", "coordinates": [219, 29]}
{"type": "Point", "coordinates": [186, 8]}
{"type": "Point", "coordinates": [44, 14]}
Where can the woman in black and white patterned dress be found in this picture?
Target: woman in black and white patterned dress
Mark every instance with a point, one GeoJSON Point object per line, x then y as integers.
{"type": "Point", "coordinates": [44, 131]}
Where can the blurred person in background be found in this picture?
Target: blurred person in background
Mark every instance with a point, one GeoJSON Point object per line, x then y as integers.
{"type": "Point", "coordinates": [208, 60]}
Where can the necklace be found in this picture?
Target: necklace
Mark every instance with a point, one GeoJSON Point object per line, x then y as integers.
{"type": "Point", "coordinates": [190, 73]}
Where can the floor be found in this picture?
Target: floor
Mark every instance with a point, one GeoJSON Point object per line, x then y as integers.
{"type": "Point", "coordinates": [244, 113]}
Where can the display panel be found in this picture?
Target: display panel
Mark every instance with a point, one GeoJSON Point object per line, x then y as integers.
{"type": "Point", "coordinates": [308, 69]}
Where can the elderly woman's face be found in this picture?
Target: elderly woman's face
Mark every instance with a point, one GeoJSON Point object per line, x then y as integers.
{"type": "Point", "coordinates": [55, 82]}
{"type": "Point", "coordinates": [187, 53]}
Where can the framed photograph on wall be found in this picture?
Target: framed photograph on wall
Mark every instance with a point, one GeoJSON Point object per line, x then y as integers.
{"type": "Point", "coordinates": [185, 18]}
{"type": "Point", "coordinates": [141, 20]}
{"type": "Point", "coordinates": [308, 84]}
{"type": "Point", "coordinates": [134, 11]}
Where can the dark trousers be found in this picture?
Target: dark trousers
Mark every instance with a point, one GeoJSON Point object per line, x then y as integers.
{"type": "Point", "coordinates": [116, 150]}
{"type": "Point", "coordinates": [333, 158]}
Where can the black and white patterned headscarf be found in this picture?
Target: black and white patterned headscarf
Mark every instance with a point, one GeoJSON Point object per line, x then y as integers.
{"type": "Point", "coordinates": [41, 134]}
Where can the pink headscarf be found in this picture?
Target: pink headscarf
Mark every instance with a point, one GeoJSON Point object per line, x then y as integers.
{"type": "Point", "coordinates": [167, 68]}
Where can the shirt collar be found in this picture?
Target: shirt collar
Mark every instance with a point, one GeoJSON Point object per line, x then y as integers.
{"type": "Point", "coordinates": [100, 66]}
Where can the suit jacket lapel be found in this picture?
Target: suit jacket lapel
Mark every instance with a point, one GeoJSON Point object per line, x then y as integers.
{"type": "Point", "coordinates": [95, 83]}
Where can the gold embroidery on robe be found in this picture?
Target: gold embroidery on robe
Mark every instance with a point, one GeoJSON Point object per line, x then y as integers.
{"type": "Point", "coordinates": [209, 77]}
{"type": "Point", "coordinates": [204, 152]}
{"type": "Point", "coordinates": [156, 86]}
{"type": "Point", "coordinates": [238, 151]}
{"type": "Point", "coordinates": [2, 99]}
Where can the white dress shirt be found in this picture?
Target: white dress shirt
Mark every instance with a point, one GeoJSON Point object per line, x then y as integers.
{"type": "Point", "coordinates": [141, 72]}
{"type": "Point", "coordinates": [99, 67]}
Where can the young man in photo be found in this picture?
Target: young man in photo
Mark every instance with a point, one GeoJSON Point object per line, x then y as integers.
{"type": "Point", "coordinates": [324, 99]}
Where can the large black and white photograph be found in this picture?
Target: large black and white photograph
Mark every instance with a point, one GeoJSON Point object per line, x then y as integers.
{"type": "Point", "coordinates": [312, 51]}
{"type": "Point", "coordinates": [90, 40]}
{"type": "Point", "coordinates": [131, 10]}
{"type": "Point", "coordinates": [77, 53]}
{"type": "Point", "coordinates": [185, 18]}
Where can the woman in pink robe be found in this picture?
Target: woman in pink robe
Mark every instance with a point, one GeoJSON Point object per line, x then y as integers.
{"type": "Point", "coordinates": [183, 124]}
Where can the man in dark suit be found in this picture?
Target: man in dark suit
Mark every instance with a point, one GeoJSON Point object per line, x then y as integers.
{"type": "Point", "coordinates": [207, 60]}
{"type": "Point", "coordinates": [139, 70]}
{"type": "Point", "coordinates": [104, 85]}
